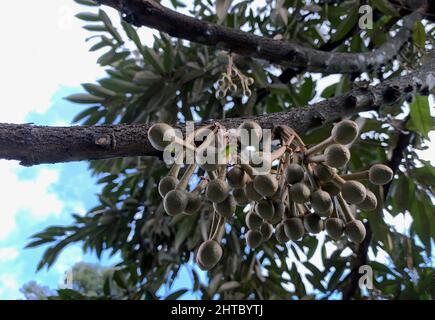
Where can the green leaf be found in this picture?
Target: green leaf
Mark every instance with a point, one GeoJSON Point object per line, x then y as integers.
{"type": "Point", "coordinates": [385, 7]}
{"type": "Point", "coordinates": [421, 120]}
{"type": "Point", "coordinates": [95, 27]}
{"type": "Point", "coordinates": [222, 7]}
{"type": "Point", "coordinates": [183, 230]}
{"type": "Point", "coordinates": [329, 91]}
{"type": "Point", "coordinates": [112, 30]}
{"type": "Point", "coordinates": [382, 268]}
{"type": "Point", "coordinates": [278, 88]}
{"type": "Point", "coordinates": [120, 279]}
{"type": "Point", "coordinates": [153, 59]}
{"type": "Point", "coordinates": [103, 43]}
{"type": "Point", "coordinates": [418, 34]}
{"type": "Point", "coordinates": [69, 294]}
{"type": "Point", "coordinates": [132, 34]}
{"type": "Point", "coordinates": [84, 98]}
{"type": "Point", "coordinates": [168, 54]}
{"type": "Point", "coordinates": [88, 16]}
{"type": "Point", "coordinates": [90, 3]}
{"type": "Point", "coordinates": [37, 243]}
{"type": "Point", "coordinates": [85, 113]}
{"type": "Point", "coordinates": [422, 216]}
{"type": "Point", "coordinates": [175, 295]}
{"type": "Point", "coordinates": [98, 90]}
{"type": "Point", "coordinates": [343, 86]}
{"type": "Point", "coordinates": [424, 175]}
{"type": "Point", "coordinates": [306, 92]}
{"type": "Point", "coordinates": [381, 231]}
{"type": "Point", "coordinates": [120, 86]}
{"type": "Point", "coordinates": [111, 57]}
{"type": "Point", "coordinates": [230, 285]}
{"type": "Point", "coordinates": [144, 77]}
{"type": "Point", "coordinates": [403, 191]}
{"type": "Point", "coordinates": [346, 25]}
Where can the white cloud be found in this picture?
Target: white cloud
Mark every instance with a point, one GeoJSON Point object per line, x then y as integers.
{"type": "Point", "coordinates": [30, 197]}
{"type": "Point", "coordinates": [43, 51]}
{"type": "Point", "coordinates": [9, 287]}
{"type": "Point", "coordinates": [8, 254]}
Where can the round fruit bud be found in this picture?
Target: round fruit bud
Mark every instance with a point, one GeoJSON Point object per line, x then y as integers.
{"type": "Point", "coordinates": [254, 238]}
{"type": "Point", "coordinates": [251, 193]}
{"type": "Point", "coordinates": [265, 209]}
{"type": "Point", "coordinates": [209, 159]}
{"type": "Point", "coordinates": [327, 213]}
{"type": "Point", "coordinates": [167, 184]}
{"type": "Point", "coordinates": [175, 202]}
{"type": "Point", "coordinates": [194, 203]}
{"type": "Point", "coordinates": [156, 135]}
{"type": "Point", "coordinates": [253, 221]}
{"type": "Point", "coordinates": [294, 228]}
{"type": "Point", "coordinates": [353, 191]}
{"type": "Point", "coordinates": [260, 162]}
{"type": "Point", "coordinates": [209, 254]}
{"type": "Point", "coordinates": [380, 174]}
{"type": "Point", "coordinates": [250, 133]}
{"type": "Point", "coordinates": [240, 197]}
{"type": "Point", "coordinates": [313, 223]}
{"type": "Point", "coordinates": [237, 178]}
{"type": "Point", "coordinates": [334, 227]}
{"type": "Point", "coordinates": [200, 265]}
{"type": "Point", "coordinates": [227, 207]}
{"type": "Point", "coordinates": [265, 184]}
{"type": "Point", "coordinates": [294, 173]}
{"type": "Point", "coordinates": [345, 132]}
{"type": "Point", "coordinates": [355, 231]}
{"type": "Point", "coordinates": [300, 193]}
{"type": "Point", "coordinates": [336, 155]}
{"type": "Point", "coordinates": [280, 235]}
{"type": "Point", "coordinates": [369, 203]}
{"type": "Point", "coordinates": [217, 190]}
{"type": "Point", "coordinates": [324, 173]}
{"type": "Point", "coordinates": [321, 201]}
{"type": "Point", "coordinates": [266, 230]}
{"type": "Point", "coordinates": [331, 188]}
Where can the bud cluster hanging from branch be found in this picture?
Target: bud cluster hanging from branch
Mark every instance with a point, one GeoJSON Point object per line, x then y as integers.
{"type": "Point", "coordinates": [287, 192]}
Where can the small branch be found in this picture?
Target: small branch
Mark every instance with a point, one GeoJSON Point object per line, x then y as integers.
{"type": "Point", "coordinates": [151, 14]}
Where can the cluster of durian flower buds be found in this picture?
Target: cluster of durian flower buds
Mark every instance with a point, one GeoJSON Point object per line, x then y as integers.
{"type": "Point", "coordinates": [228, 80]}
{"type": "Point", "coordinates": [288, 192]}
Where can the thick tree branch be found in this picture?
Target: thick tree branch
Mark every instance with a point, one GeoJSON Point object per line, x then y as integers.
{"type": "Point", "coordinates": [41, 144]}
{"type": "Point", "coordinates": [151, 14]}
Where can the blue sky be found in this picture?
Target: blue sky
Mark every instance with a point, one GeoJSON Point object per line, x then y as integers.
{"type": "Point", "coordinates": [47, 59]}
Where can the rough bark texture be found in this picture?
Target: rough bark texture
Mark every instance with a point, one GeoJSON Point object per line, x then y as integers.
{"type": "Point", "coordinates": [151, 14]}
{"type": "Point", "coordinates": [41, 144]}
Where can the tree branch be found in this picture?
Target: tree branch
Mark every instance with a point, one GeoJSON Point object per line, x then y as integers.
{"type": "Point", "coordinates": [151, 14]}
{"type": "Point", "coordinates": [41, 144]}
